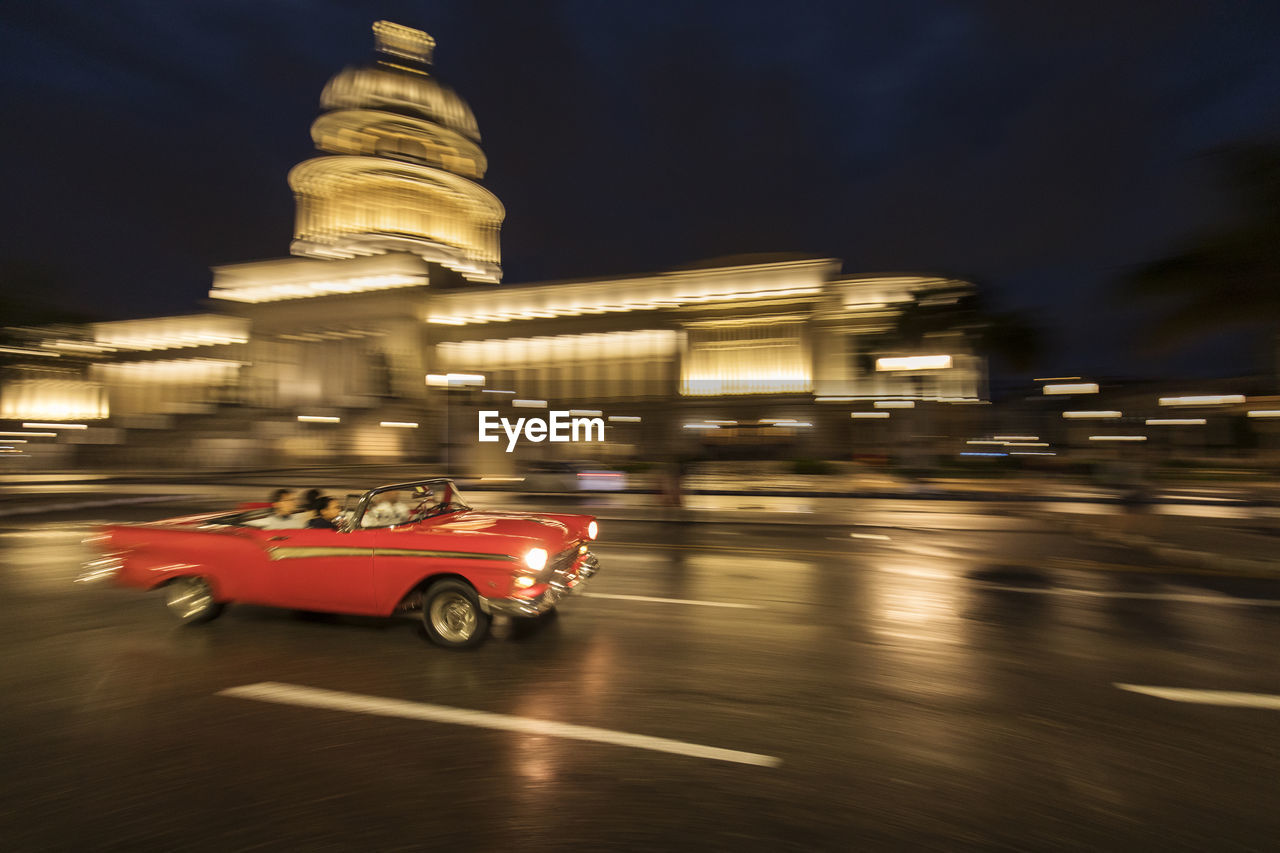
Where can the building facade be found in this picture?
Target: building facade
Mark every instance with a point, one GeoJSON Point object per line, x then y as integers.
{"type": "Point", "coordinates": [387, 328]}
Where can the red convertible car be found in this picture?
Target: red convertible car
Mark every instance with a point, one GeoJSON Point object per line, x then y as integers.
{"type": "Point", "coordinates": [404, 549]}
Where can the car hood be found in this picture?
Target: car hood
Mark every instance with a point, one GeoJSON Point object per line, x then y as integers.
{"type": "Point", "coordinates": [527, 524]}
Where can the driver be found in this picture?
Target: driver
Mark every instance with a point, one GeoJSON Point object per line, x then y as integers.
{"type": "Point", "coordinates": [389, 508]}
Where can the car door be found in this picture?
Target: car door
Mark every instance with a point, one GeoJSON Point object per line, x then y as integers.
{"type": "Point", "coordinates": [322, 569]}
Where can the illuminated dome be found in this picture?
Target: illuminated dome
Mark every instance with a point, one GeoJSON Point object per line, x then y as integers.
{"type": "Point", "coordinates": [404, 165]}
{"type": "Point", "coordinates": [396, 91]}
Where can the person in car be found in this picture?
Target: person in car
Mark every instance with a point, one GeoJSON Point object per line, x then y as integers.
{"type": "Point", "coordinates": [311, 504]}
{"type": "Point", "coordinates": [389, 508]}
{"type": "Point", "coordinates": [284, 515]}
{"type": "Point", "coordinates": [327, 509]}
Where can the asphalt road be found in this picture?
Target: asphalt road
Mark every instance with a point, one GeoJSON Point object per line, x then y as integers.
{"type": "Point", "coordinates": [931, 678]}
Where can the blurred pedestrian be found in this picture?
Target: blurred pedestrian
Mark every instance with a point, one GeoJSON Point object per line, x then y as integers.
{"type": "Point", "coordinates": [1133, 494]}
{"type": "Point", "coordinates": [672, 486]}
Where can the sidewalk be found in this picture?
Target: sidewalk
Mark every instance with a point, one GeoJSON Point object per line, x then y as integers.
{"type": "Point", "coordinates": [869, 483]}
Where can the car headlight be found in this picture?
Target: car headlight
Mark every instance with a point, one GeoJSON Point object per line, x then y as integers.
{"type": "Point", "coordinates": [524, 581]}
{"type": "Point", "coordinates": [592, 530]}
{"type": "Point", "coordinates": [535, 559]}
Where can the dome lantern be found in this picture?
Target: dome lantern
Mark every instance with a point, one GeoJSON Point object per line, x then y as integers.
{"type": "Point", "coordinates": [403, 42]}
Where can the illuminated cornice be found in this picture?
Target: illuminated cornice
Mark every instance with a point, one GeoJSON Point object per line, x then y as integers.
{"type": "Point", "coordinates": [679, 289]}
{"type": "Point", "coordinates": [874, 294]}
{"type": "Point", "coordinates": [161, 333]}
{"type": "Point", "coordinates": [375, 245]}
{"type": "Point", "coordinates": [497, 353]}
{"type": "Point", "coordinates": [168, 371]}
{"type": "Point", "coordinates": [323, 287]}
{"type": "Point", "coordinates": [298, 278]}
{"type": "Point", "coordinates": [730, 322]}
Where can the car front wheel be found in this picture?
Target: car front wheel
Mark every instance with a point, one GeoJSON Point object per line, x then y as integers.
{"type": "Point", "coordinates": [191, 601]}
{"type": "Point", "coordinates": [452, 615]}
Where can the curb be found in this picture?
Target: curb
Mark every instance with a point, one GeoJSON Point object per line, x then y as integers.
{"type": "Point", "coordinates": [1178, 556]}
{"type": "Point", "coordinates": [90, 504]}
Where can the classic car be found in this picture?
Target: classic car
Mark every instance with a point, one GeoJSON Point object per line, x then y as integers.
{"type": "Point", "coordinates": [404, 549]}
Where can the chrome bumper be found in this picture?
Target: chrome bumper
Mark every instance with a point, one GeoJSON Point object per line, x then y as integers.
{"type": "Point", "coordinates": [561, 585]}
{"type": "Point", "coordinates": [101, 569]}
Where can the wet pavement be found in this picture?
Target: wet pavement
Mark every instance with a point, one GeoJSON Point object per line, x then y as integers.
{"type": "Point", "coordinates": [923, 676]}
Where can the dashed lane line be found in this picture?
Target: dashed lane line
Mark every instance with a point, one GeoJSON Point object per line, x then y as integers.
{"type": "Point", "coordinates": [314, 697]}
{"type": "Point", "coordinates": [1224, 698]}
{"type": "Point", "coordinates": [1220, 599]}
{"type": "Point", "coordinates": [671, 600]}
{"type": "Point", "coordinates": [664, 546]}
{"type": "Point", "coordinates": [1068, 563]}
{"type": "Point", "coordinates": [1076, 564]}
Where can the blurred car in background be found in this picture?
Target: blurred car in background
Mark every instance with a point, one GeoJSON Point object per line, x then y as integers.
{"type": "Point", "coordinates": [575, 476]}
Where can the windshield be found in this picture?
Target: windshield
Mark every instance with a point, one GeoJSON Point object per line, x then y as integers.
{"type": "Point", "coordinates": [411, 502]}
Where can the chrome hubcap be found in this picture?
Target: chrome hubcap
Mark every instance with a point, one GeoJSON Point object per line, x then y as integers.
{"type": "Point", "coordinates": [453, 617]}
{"type": "Point", "coordinates": [187, 598]}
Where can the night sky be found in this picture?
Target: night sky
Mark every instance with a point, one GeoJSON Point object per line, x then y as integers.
{"type": "Point", "coordinates": [1040, 148]}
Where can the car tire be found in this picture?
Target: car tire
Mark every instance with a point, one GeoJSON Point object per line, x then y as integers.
{"type": "Point", "coordinates": [452, 616]}
{"type": "Point", "coordinates": [191, 601]}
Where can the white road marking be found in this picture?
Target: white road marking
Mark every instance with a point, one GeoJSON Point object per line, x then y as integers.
{"type": "Point", "coordinates": [1220, 599]}
{"type": "Point", "coordinates": [672, 600]}
{"type": "Point", "coordinates": [1226, 698]}
{"type": "Point", "coordinates": [314, 697]}
{"type": "Point", "coordinates": [879, 536]}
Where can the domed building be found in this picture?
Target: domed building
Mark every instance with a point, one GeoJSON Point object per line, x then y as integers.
{"type": "Point", "coordinates": [403, 165]}
{"type": "Point", "coordinates": [386, 330]}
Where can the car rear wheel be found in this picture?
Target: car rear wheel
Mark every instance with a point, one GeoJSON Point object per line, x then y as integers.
{"type": "Point", "coordinates": [452, 615]}
{"type": "Point", "coordinates": [191, 601]}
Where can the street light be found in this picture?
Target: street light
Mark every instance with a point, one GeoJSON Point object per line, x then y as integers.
{"type": "Point", "coordinates": [1203, 400]}
{"type": "Point", "coordinates": [1072, 388]}
{"type": "Point", "coordinates": [914, 362]}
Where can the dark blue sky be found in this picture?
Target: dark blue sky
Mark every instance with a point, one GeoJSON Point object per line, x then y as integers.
{"type": "Point", "coordinates": [1039, 147]}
